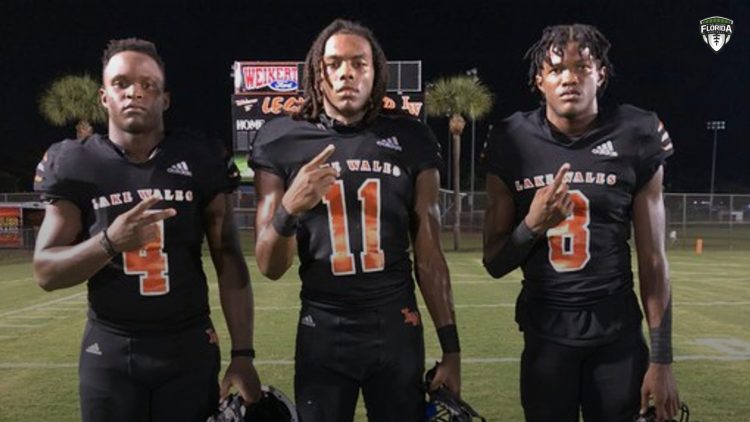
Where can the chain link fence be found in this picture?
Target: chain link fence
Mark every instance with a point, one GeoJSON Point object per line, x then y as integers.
{"type": "Point", "coordinates": [718, 222]}
{"type": "Point", "coordinates": [721, 221]}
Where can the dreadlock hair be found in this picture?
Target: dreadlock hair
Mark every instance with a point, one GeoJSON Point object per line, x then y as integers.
{"type": "Point", "coordinates": [557, 37]}
{"type": "Point", "coordinates": [133, 44]}
{"type": "Point", "coordinates": [312, 106]}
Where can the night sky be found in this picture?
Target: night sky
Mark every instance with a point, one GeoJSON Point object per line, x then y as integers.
{"type": "Point", "coordinates": [660, 59]}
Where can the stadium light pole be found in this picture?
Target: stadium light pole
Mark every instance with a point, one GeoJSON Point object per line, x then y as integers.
{"type": "Point", "coordinates": [716, 126]}
{"type": "Point", "coordinates": [473, 73]}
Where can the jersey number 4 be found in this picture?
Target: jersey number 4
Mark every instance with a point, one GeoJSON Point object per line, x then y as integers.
{"type": "Point", "coordinates": [569, 241]}
{"type": "Point", "coordinates": [342, 258]}
{"type": "Point", "coordinates": [150, 264]}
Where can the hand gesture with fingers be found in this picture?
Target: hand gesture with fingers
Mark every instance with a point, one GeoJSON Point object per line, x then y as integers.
{"type": "Point", "coordinates": [551, 204]}
{"type": "Point", "coordinates": [137, 227]}
{"type": "Point", "coordinates": [311, 184]}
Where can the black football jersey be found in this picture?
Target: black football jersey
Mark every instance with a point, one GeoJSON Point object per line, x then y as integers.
{"type": "Point", "coordinates": [586, 258]}
{"type": "Point", "coordinates": [161, 286]}
{"type": "Point", "coordinates": [353, 246]}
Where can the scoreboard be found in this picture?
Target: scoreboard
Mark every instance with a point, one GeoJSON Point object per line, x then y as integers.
{"type": "Point", "coordinates": [266, 90]}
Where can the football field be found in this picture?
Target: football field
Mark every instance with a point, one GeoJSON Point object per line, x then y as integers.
{"type": "Point", "coordinates": [40, 336]}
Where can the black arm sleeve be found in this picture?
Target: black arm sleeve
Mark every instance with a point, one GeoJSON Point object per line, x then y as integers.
{"type": "Point", "coordinates": [514, 252]}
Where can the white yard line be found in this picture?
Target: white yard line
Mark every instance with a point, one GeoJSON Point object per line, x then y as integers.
{"type": "Point", "coordinates": [23, 317]}
{"type": "Point", "coordinates": [486, 305]}
{"type": "Point", "coordinates": [712, 358]}
{"type": "Point", "coordinates": [481, 305]}
{"type": "Point", "coordinates": [454, 281]}
{"type": "Point", "coordinates": [707, 276]}
{"type": "Point", "coordinates": [681, 263]}
{"type": "Point", "coordinates": [11, 325]}
{"type": "Point", "coordinates": [17, 280]}
{"type": "Point", "coordinates": [266, 283]}
{"type": "Point", "coordinates": [37, 365]}
{"type": "Point", "coordinates": [41, 306]}
{"type": "Point", "coordinates": [512, 305]}
{"type": "Point", "coordinates": [11, 314]}
{"type": "Point", "coordinates": [429, 361]}
{"type": "Point", "coordinates": [485, 281]}
{"type": "Point", "coordinates": [465, 264]}
{"type": "Point", "coordinates": [715, 303]}
{"type": "Point", "coordinates": [65, 308]}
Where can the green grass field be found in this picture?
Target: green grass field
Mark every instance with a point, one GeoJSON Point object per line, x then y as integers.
{"type": "Point", "coordinates": [40, 334]}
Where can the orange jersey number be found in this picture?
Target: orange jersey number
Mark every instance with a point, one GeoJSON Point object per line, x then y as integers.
{"type": "Point", "coordinates": [569, 241]}
{"type": "Point", "coordinates": [150, 263]}
{"type": "Point", "coordinates": [342, 258]}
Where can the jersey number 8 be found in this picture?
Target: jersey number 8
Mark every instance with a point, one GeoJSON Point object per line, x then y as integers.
{"type": "Point", "coordinates": [569, 241]}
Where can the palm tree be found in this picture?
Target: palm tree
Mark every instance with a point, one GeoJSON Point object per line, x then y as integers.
{"type": "Point", "coordinates": [456, 97]}
{"type": "Point", "coordinates": [73, 99]}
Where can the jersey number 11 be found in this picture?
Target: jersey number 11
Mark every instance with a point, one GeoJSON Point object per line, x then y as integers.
{"type": "Point", "coordinates": [372, 257]}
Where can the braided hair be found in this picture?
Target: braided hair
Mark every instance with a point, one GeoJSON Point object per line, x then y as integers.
{"type": "Point", "coordinates": [557, 37]}
{"type": "Point", "coordinates": [312, 106]}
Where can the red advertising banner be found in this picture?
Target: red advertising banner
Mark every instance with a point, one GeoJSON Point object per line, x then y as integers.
{"type": "Point", "coordinates": [266, 77]}
{"type": "Point", "coordinates": [11, 224]}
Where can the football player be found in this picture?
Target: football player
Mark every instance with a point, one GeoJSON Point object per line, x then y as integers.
{"type": "Point", "coordinates": [349, 189]}
{"type": "Point", "coordinates": [565, 182]}
{"type": "Point", "coordinates": [128, 211]}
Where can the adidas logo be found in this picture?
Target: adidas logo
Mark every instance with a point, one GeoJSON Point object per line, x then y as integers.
{"type": "Point", "coordinates": [180, 168]}
{"type": "Point", "coordinates": [391, 143]}
{"type": "Point", "coordinates": [94, 349]}
{"type": "Point", "coordinates": [307, 320]}
{"type": "Point", "coordinates": [606, 149]}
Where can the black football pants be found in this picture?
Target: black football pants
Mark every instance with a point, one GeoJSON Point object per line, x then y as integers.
{"type": "Point", "coordinates": [380, 351]}
{"type": "Point", "coordinates": [604, 382]}
{"type": "Point", "coordinates": [167, 377]}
